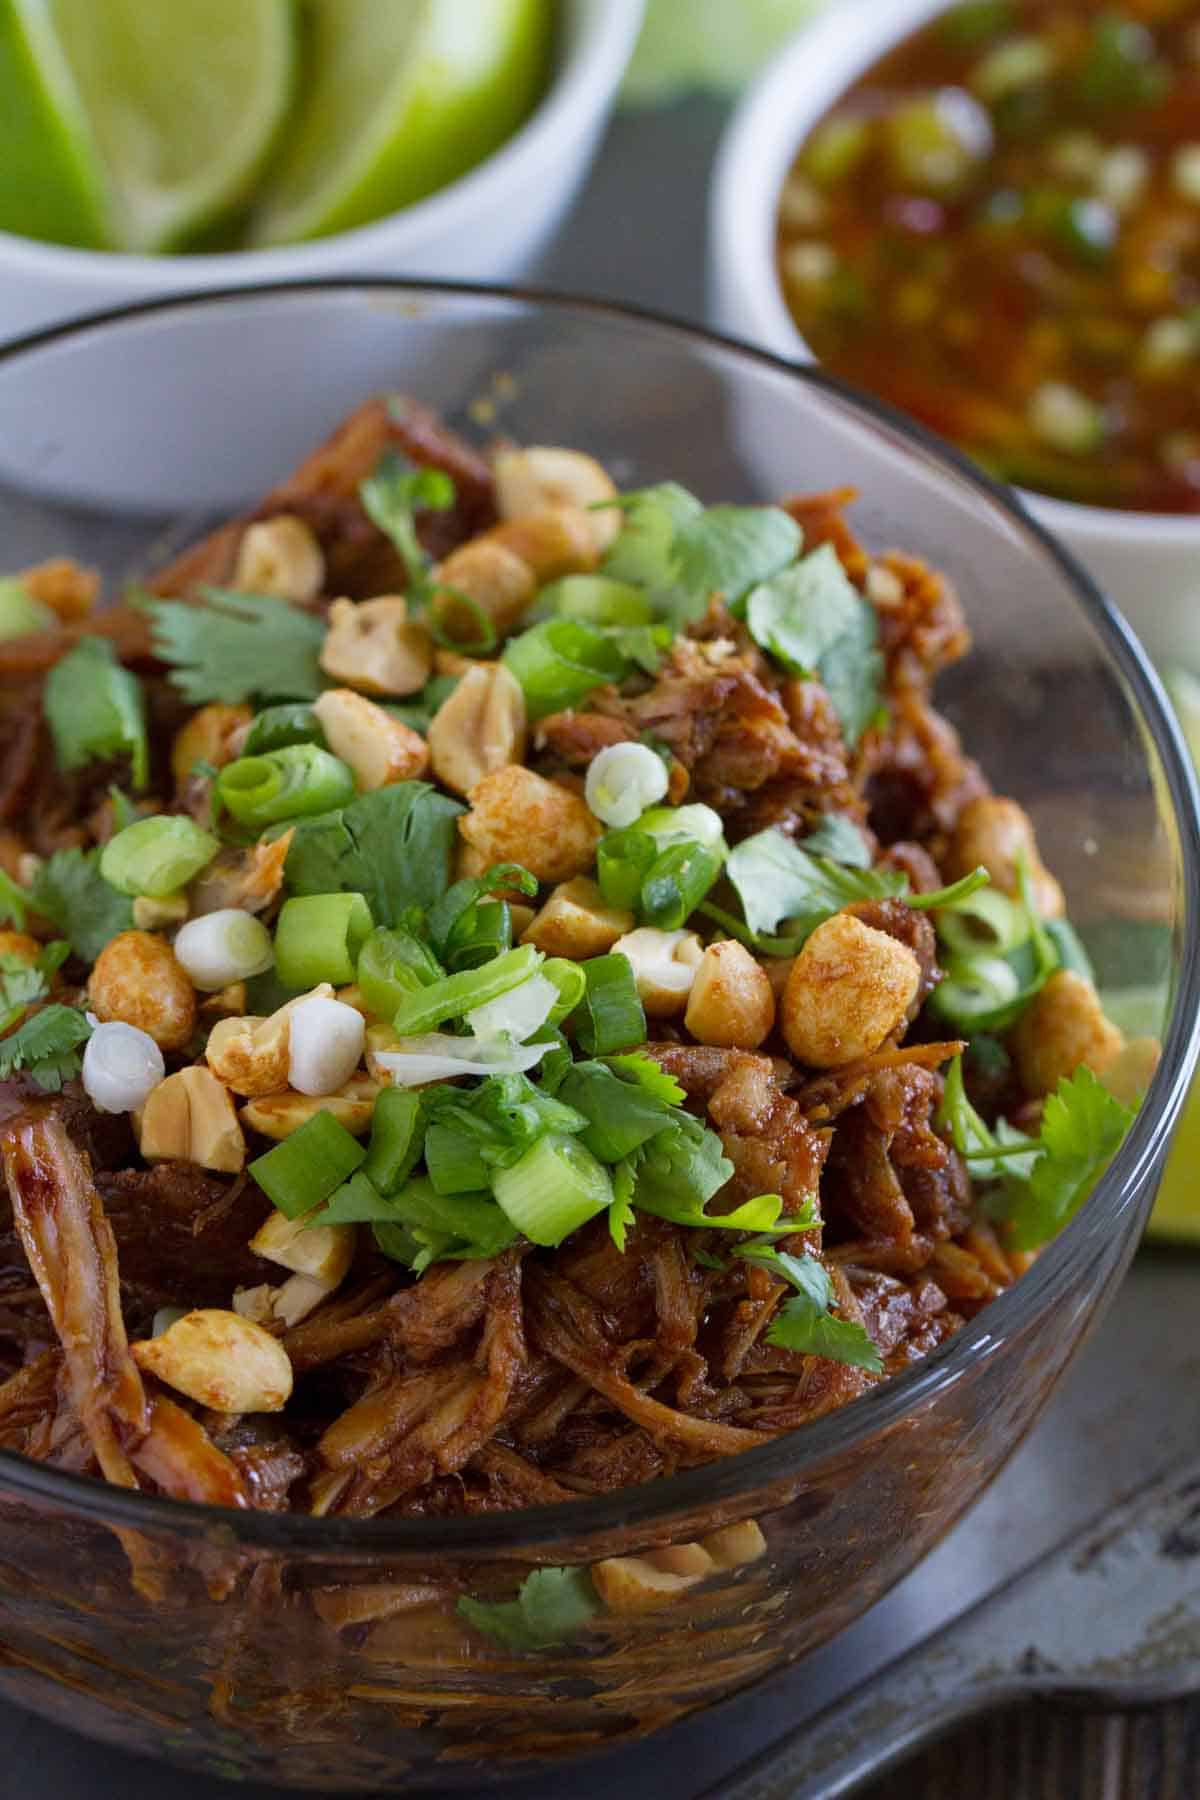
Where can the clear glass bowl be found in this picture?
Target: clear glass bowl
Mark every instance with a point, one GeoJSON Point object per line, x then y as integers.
{"type": "Point", "coordinates": [118, 439]}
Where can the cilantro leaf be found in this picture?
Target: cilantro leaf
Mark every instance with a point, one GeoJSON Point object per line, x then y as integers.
{"type": "Point", "coordinates": [21, 982]}
{"type": "Point", "coordinates": [551, 1605]}
{"type": "Point", "coordinates": [649, 1075]}
{"type": "Point", "coordinates": [837, 838]}
{"type": "Point", "coordinates": [14, 901]}
{"type": "Point", "coordinates": [683, 552]}
{"type": "Point", "coordinates": [70, 891]}
{"type": "Point", "coordinates": [238, 646]}
{"type": "Point", "coordinates": [1083, 1126]}
{"type": "Point", "coordinates": [390, 498]}
{"type": "Point", "coordinates": [45, 1046]}
{"type": "Point", "coordinates": [620, 1212]}
{"type": "Point", "coordinates": [805, 1322]}
{"type": "Point", "coordinates": [394, 846]}
{"type": "Point", "coordinates": [425, 1227]}
{"type": "Point", "coordinates": [95, 709]}
{"type": "Point", "coordinates": [776, 879]}
{"type": "Point", "coordinates": [813, 620]}
{"type": "Point", "coordinates": [990, 1154]}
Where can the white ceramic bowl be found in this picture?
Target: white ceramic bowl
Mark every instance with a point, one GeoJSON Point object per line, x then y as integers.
{"type": "Point", "coordinates": [1149, 563]}
{"type": "Point", "coordinates": [488, 225]}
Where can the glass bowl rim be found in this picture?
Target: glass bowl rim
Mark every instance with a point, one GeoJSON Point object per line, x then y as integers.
{"type": "Point", "coordinates": [783, 1459]}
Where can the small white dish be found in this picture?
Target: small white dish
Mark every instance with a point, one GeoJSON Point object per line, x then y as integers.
{"type": "Point", "coordinates": [488, 225]}
{"type": "Point", "coordinates": [1149, 563]}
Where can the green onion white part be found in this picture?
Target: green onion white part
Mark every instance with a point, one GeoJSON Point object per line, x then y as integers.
{"type": "Point", "coordinates": [120, 1067]}
{"type": "Point", "coordinates": [622, 781]}
{"type": "Point", "coordinates": [517, 1014]}
{"type": "Point", "coordinates": [435, 1056]}
{"type": "Point", "coordinates": [222, 947]}
{"type": "Point", "coordinates": [325, 1043]}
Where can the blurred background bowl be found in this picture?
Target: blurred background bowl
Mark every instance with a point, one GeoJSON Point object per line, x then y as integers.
{"type": "Point", "coordinates": [488, 225]}
{"type": "Point", "coordinates": [1148, 563]}
{"type": "Point", "coordinates": [327, 1653]}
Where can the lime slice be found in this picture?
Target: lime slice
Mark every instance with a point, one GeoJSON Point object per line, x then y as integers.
{"type": "Point", "coordinates": [720, 46]}
{"type": "Point", "coordinates": [50, 180]}
{"type": "Point", "coordinates": [1176, 1212]}
{"type": "Point", "coordinates": [133, 126]}
{"type": "Point", "coordinates": [404, 96]}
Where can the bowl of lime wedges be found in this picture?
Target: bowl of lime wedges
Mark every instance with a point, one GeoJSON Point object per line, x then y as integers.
{"type": "Point", "coordinates": [145, 150]}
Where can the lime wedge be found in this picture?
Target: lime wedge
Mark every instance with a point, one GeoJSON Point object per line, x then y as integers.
{"type": "Point", "coordinates": [50, 180]}
{"type": "Point", "coordinates": [1176, 1212]}
{"type": "Point", "coordinates": [721, 45]}
{"type": "Point", "coordinates": [404, 96]}
{"type": "Point", "coordinates": [133, 125]}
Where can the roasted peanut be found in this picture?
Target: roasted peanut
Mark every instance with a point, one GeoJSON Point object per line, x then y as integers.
{"type": "Point", "coordinates": [189, 1117]}
{"type": "Point", "coordinates": [731, 1002]}
{"type": "Point", "coordinates": [323, 1252]}
{"type": "Point", "coordinates": [502, 569]}
{"type": "Point", "coordinates": [278, 1115]}
{"type": "Point", "coordinates": [637, 1584]}
{"type": "Point", "coordinates": [212, 735]}
{"type": "Point", "coordinates": [575, 922]}
{"type": "Point", "coordinates": [478, 728]}
{"type": "Point", "coordinates": [375, 646]}
{"type": "Point", "coordinates": [542, 475]}
{"type": "Point", "coordinates": [136, 978]}
{"type": "Point", "coordinates": [664, 967]}
{"type": "Point", "coordinates": [63, 585]}
{"type": "Point", "coordinates": [847, 992]}
{"type": "Point", "coordinates": [280, 556]}
{"type": "Point", "coordinates": [250, 1055]}
{"type": "Point", "coordinates": [250, 879]}
{"type": "Point", "coordinates": [731, 1546]}
{"type": "Point", "coordinates": [517, 816]}
{"type": "Point", "coordinates": [378, 748]}
{"type": "Point", "coordinates": [491, 575]}
{"type": "Point", "coordinates": [1062, 1029]}
{"type": "Point", "coordinates": [1132, 1070]}
{"type": "Point", "coordinates": [220, 1360]}
{"type": "Point", "coordinates": [994, 832]}
{"type": "Point", "coordinates": [158, 915]}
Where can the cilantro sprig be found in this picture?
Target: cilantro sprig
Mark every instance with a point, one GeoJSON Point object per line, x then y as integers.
{"type": "Point", "coordinates": [815, 623]}
{"type": "Point", "coordinates": [46, 1047]}
{"type": "Point", "coordinates": [391, 497]}
{"type": "Point", "coordinates": [806, 1322]}
{"type": "Point", "coordinates": [1041, 1182]}
{"type": "Point", "coordinates": [551, 1606]}
{"type": "Point", "coordinates": [70, 891]}
{"type": "Point", "coordinates": [237, 647]}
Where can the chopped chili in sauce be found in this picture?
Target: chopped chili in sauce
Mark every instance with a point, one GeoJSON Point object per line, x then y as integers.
{"type": "Point", "coordinates": [997, 229]}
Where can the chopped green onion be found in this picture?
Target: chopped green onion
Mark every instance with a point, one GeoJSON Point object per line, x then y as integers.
{"type": "Point", "coordinates": [1071, 953]}
{"type": "Point", "coordinates": [454, 1160]}
{"type": "Point", "coordinates": [455, 995]}
{"type": "Point", "coordinates": [696, 824]}
{"type": "Point", "coordinates": [95, 709]}
{"type": "Point", "coordinates": [318, 938]}
{"type": "Point", "coordinates": [484, 933]}
{"type": "Point", "coordinates": [518, 1013]}
{"type": "Point", "coordinates": [1120, 67]}
{"type": "Point", "coordinates": [610, 1015]}
{"type": "Point", "coordinates": [622, 781]}
{"type": "Point", "coordinates": [292, 783]}
{"type": "Point", "coordinates": [395, 1146]}
{"type": "Point", "coordinates": [20, 613]}
{"type": "Point", "coordinates": [559, 662]}
{"type": "Point", "coordinates": [1060, 416]}
{"type": "Point", "coordinates": [556, 1187]}
{"type": "Point", "coordinates": [623, 860]}
{"type": "Point", "coordinates": [975, 990]}
{"type": "Point", "coordinates": [435, 1056]}
{"type": "Point", "coordinates": [448, 921]}
{"type": "Point", "coordinates": [306, 1168]}
{"type": "Point", "coordinates": [836, 148]}
{"type": "Point", "coordinates": [987, 922]}
{"type": "Point", "coordinates": [157, 856]}
{"type": "Point", "coordinates": [676, 884]}
{"type": "Point", "coordinates": [443, 1225]}
{"type": "Point", "coordinates": [391, 964]}
{"type": "Point", "coordinates": [597, 600]}
{"type": "Point", "coordinates": [1018, 62]}
{"type": "Point", "coordinates": [948, 898]}
{"type": "Point", "coordinates": [279, 727]}
{"type": "Point", "coordinates": [571, 983]}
